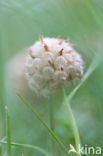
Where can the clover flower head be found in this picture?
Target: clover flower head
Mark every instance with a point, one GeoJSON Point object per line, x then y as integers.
{"type": "Point", "coordinates": [51, 63]}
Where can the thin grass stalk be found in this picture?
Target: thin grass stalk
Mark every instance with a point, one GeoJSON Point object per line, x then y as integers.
{"type": "Point", "coordinates": [2, 90]}
{"type": "Point", "coordinates": [95, 63]}
{"type": "Point", "coordinates": [95, 12]}
{"type": "Point", "coordinates": [43, 123]}
{"type": "Point", "coordinates": [73, 124]}
{"type": "Point", "coordinates": [28, 146]}
{"type": "Point", "coordinates": [8, 133]}
{"type": "Point", "coordinates": [0, 150]}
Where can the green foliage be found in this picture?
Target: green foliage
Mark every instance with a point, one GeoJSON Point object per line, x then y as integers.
{"type": "Point", "coordinates": [20, 24]}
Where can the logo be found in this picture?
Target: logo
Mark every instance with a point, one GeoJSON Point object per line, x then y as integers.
{"type": "Point", "coordinates": [85, 150]}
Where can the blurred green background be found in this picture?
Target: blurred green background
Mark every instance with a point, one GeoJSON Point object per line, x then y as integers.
{"type": "Point", "coordinates": [20, 24]}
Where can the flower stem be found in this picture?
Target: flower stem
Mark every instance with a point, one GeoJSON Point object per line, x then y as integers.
{"type": "Point", "coordinates": [51, 111]}
{"type": "Point", "coordinates": [73, 123]}
{"type": "Point", "coordinates": [52, 123]}
{"type": "Point", "coordinates": [43, 123]}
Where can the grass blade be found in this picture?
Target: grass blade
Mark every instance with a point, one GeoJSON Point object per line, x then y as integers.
{"type": "Point", "coordinates": [0, 150]}
{"type": "Point", "coordinates": [2, 85]}
{"type": "Point", "coordinates": [73, 123]}
{"type": "Point", "coordinates": [95, 12]}
{"type": "Point", "coordinates": [67, 99]}
{"type": "Point", "coordinates": [92, 67]}
{"type": "Point", "coordinates": [28, 146]}
{"type": "Point", "coordinates": [8, 132]}
{"type": "Point", "coordinates": [43, 123]}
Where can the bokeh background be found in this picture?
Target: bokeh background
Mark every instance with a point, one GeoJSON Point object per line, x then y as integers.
{"type": "Point", "coordinates": [20, 24]}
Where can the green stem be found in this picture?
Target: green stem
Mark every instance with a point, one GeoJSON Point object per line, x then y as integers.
{"type": "Point", "coordinates": [0, 150]}
{"type": "Point", "coordinates": [28, 146]}
{"type": "Point", "coordinates": [51, 111]}
{"type": "Point", "coordinates": [2, 86]}
{"type": "Point", "coordinates": [95, 63]}
{"type": "Point", "coordinates": [73, 123]}
{"type": "Point", "coordinates": [8, 132]}
{"type": "Point", "coordinates": [52, 123]}
{"type": "Point", "coordinates": [43, 123]}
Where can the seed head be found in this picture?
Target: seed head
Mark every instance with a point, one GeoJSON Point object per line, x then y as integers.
{"type": "Point", "coordinates": [51, 63]}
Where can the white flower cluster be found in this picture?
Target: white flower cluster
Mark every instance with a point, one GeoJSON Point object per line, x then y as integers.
{"type": "Point", "coordinates": [52, 62]}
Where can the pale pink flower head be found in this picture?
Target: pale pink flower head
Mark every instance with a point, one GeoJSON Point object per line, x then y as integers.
{"type": "Point", "coordinates": [51, 63]}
